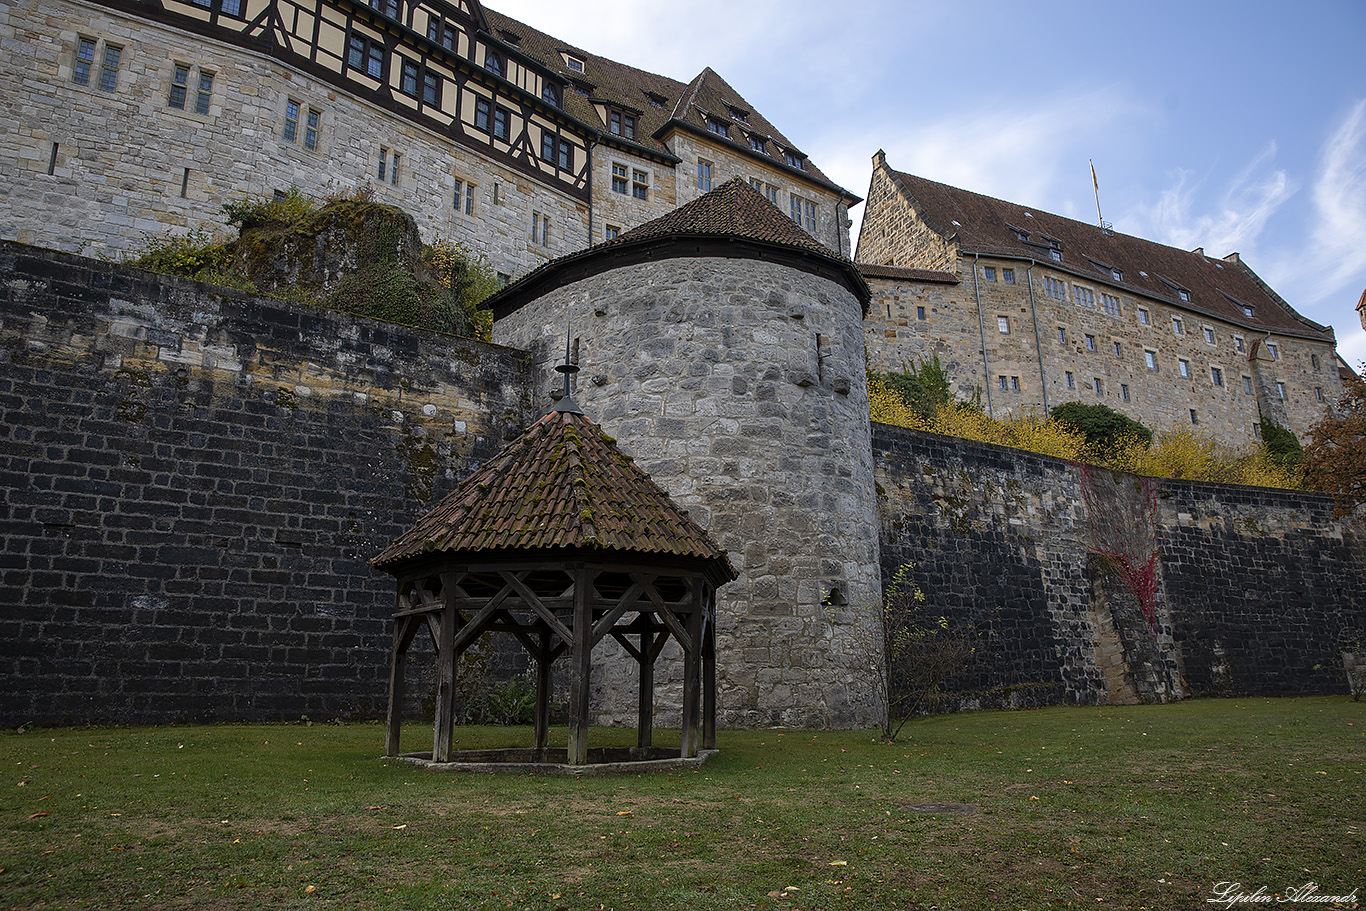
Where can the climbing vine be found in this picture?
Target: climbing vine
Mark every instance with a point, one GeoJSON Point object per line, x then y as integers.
{"type": "Point", "coordinates": [1123, 531]}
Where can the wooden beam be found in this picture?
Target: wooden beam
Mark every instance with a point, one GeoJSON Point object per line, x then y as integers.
{"type": "Point", "coordinates": [581, 665]}
{"type": "Point", "coordinates": [403, 637]}
{"type": "Point", "coordinates": [443, 731]}
{"type": "Point", "coordinates": [543, 661]}
{"type": "Point", "coordinates": [624, 603]}
{"type": "Point", "coordinates": [545, 613]}
{"type": "Point", "coordinates": [692, 673]}
{"type": "Point", "coordinates": [709, 670]}
{"type": "Point", "coordinates": [645, 712]}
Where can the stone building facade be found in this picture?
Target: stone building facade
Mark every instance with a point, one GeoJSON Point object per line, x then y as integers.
{"type": "Point", "coordinates": [722, 347]}
{"type": "Point", "coordinates": [124, 120]}
{"type": "Point", "coordinates": [1034, 310]}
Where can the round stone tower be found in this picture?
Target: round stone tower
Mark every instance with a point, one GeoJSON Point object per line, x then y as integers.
{"type": "Point", "coordinates": [723, 347]}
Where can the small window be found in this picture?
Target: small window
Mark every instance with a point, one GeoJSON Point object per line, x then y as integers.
{"type": "Point", "coordinates": [1257, 430]}
{"type": "Point", "coordinates": [611, 232]}
{"type": "Point", "coordinates": [1008, 276]}
{"type": "Point", "coordinates": [795, 160]}
{"type": "Point", "coordinates": [501, 120]}
{"type": "Point", "coordinates": [109, 71]}
{"type": "Point", "coordinates": [1216, 376]}
{"type": "Point", "coordinates": [719, 128]}
{"type": "Point", "coordinates": [1083, 297]}
{"type": "Point", "coordinates": [387, 7]}
{"type": "Point", "coordinates": [204, 96]}
{"type": "Point", "coordinates": [483, 114]}
{"type": "Point", "coordinates": [1177, 327]}
{"type": "Point", "coordinates": [463, 201]}
{"type": "Point", "coordinates": [1071, 380]}
{"type": "Point", "coordinates": [291, 120]}
{"type": "Point", "coordinates": [1150, 358]}
{"type": "Point", "coordinates": [1003, 325]}
{"type": "Point", "coordinates": [1183, 366]}
{"type": "Point", "coordinates": [1056, 255]}
{"type": "Point", "coordinates": [1314, 361]}
{"type": "Point", "coordinates": [1248, 311]}
{"type": "Point", "coordinates": [540, 229]}
{"type": "Point", "coordinates": [550, 94]}
{"type": "Point", "coordinates": [566, 156]}
{"type": "Point", "coordinates": [1318, 393]}
{"type": "Point", "coordinates": [703, 175]}
{"type": "Point", "coordinates": [640, 184]}
{"type": "Point", "coordinates": [388, 166]}
{"type": "Point", "coordinates": [493, 63]}
{"type": "Point", "coordinates": [1118, 276]}
{"type": "Point", "coordinates": [1280, 391]}
{"type": "Point", "coordinates": [1209, 335]}
{"type": "Point", "coordinates": [1110, 304]}
{"type": "Point", "coordinates": [383, 171]}
{"type": "Point", "coordinates": [619, 181]}
{"type": "Point", "coordinates": [1185, 296]}
{"type": "Point", "coordinates": [621, 123]}
{"type": "Point", "coordinates": [362, 55]}
{"type": "Point", "coordinates": [1238, 344]}
{"type": "Point", "coordinates": [180, 84]}
{"type": "Point", "coordinates": [1119, 351]}
{"type": "Point", "coordinates": [547, 147]}
{"type": "Point", "coordinates": [1273, 351]}
{"type": "Point", "coordinates": [1143, 317]}
{"type": "Point", "coordinates": [1005, 383]}
{"type": "Point", "coordinates": [407, 83]}
{"type": "Point", "coordinates": [919, 312]}
{"type": "Point", "coordinates": [1247, 385]}
{"type": "Point", "coordinates": [1062, 335]}
{"type": "Point", "coordinates": [573, 63]}
{"type": "Point", "coordinates": [1124, 391]}
{"type": "Point", "coordinates": [1055, 288]}
{"type": "Point", "coordinates": [1100, 385]}
{"type": "Point", "coordinates": [1015, 384]}
{"type": "Point", "coordinates": [757, 143]}
{"type": "Point", "coordinates": [1195, 419]}
{"type": "Point", "coordinates": [1090, 343]}
{"type": "Point", "coordinates": [85, 59]}
{"type": "Point", "coordinates": [431, 89]}
{"type": "Point", "coordinates": [809, 210]}
{"type": "Point", "coordinates": [989, 272]}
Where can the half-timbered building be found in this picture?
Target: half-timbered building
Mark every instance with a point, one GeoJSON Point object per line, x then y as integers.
{"type": "Point", "coordinates": [130, 118]}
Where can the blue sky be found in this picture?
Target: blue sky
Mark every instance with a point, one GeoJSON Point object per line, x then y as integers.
{"type": "Point", "coordinates": [1236, 126]}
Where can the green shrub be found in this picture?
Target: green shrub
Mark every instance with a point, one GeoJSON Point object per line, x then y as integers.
{"type": "Point", "coordinates": [1102, 426]}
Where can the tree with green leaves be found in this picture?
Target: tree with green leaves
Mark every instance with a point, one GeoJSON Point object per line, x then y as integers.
{"type": "Point", "coordinates": [924, 389]}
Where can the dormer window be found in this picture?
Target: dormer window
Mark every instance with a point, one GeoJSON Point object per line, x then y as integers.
{"type": "Point", "coordinates": [621, 123]}
{"type": "Point", "coordinates": [1020, 234]}
{"type": "Point", "coordinates": [511, 38]}
{"type": "Point", "coordinates": [1248, 311]}
{"type": "Point", "coordinates": [738, 114]}
{"type": "Point", "coordinates": [656, 99]}
{"type": "Point", "coordinates": [717, 127]}
{"type": "Point", "coordinates": [573, 63]}
{"type": "Point", "coordinates": [795, 160]}
{"type": "Point", "coordinates": [493, 63]}
{"type": "Point", "coordinates": [1117, 275]}
{"type": "Point", "coordinates": [757, 143]}
{"type": "Point", "coordinates": [1055, 250]}
{"type": "Point", "coordinates": [1183, 294]}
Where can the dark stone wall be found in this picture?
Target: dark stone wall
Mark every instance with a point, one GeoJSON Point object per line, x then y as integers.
{"type": "Point", "coordinates": [1260, 591]}
{"type": "Point", "coordinates": [194, 482]}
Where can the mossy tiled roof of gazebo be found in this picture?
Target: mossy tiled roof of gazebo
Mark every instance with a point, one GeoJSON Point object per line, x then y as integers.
{"type": "Point", "coordinates": [562, 486]}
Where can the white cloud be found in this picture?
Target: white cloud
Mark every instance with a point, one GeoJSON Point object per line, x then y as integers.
{"type": "Point", "coordinates": [1338, 248]}
{"type": "Point", "coordinates": [1236, 222]}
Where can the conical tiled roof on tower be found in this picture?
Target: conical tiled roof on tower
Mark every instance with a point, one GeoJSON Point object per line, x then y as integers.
{"type": "Point", "coordinates": [734, 220]}
{"type": "Point", "coordinates": [562, 486]}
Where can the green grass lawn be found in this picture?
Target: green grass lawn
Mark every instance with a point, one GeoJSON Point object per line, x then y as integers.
{"type": "Point", "coordinates": [1112, 807]}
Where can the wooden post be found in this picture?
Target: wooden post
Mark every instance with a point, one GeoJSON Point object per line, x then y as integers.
{"type": "Point", "coordinates": [543, 692]}
{"type": "Point", "coordinates": [444, 730]}
{"type": "Point", "coordinates": [396, 660]}
{"type": "Point", "coordinates": [692, 672]}
{"type": "Point", "coordinates": [581, 661]}
{"type": "Point", "coordinates": [709, 671]}
{"type": "Point", "coordinates": [645, 717]}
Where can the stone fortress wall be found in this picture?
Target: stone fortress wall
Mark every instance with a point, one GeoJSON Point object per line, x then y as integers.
{"type": "Point", "coordinates": [196, 479]}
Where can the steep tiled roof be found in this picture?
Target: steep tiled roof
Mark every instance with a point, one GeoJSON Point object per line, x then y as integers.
{"type": "Point", "coordinates": [562, 486]}
{"type": "Point", "coordinates": [1216, 287]}
{"type": "Point", "coordinates": [657, 101]}
{"type": "Point", "coordinates": [905, 273]}
{"type": "Point", "coordinates": [732, 213]}
{"type": "Point", "coordinates": [733, 209]}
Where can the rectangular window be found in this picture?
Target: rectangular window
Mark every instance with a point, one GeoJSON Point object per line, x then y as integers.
{"type": "Point", "coordinates": [540, 229]}
{"type": "Point", "coordinates": [795, 160]}
{"type": "Point", "coordinates": [1216, 376]}
{"type": "Point", "coordinates": [1183, 294]}
{"type": "Point", "coordinates": [771, 193]}
{"type": "Point", "coordinates": [1247, 385]}
{"type": "Point", "coordinates": [547, 147]}
{"type": "Point", "coordinates": [1183, 366]}
{"type": "Point", "coordinates": [1100, 385]}
{"type": "Point", "coordinates": [1004, 381]}
{"type": "Point", "coordinates": [810, 209]}
{"type": "Point", "coordinates": [1280, 391]}
{"type": "Point", "coordinates": [501, 118]}
{"type": "Point", "coordinates": [393, 172]}
{"type": "Point", "coordinates": [619, 184]}
{"type": "Point", "coordinates": [1003, 325]}
{"type": "Point", "coordinates": [1314, 361]}
{"type": "Point", "coordinates": [180, 84]}
{"type": "Point", "coordinates": [383, 164]}
{"type": "Point", "coordinates": [291, 120]}
{"type": "Point", "coordinates": [388, 7]}
{"type": "Point", "coordinates": [1257, 430]}
{"type": "Point", "coordinates": [703, 175]}
{"type": "Point", "coordinates": [1071, 380]}
{"type": "Point", "coordinates": [1194, 417]}
{"type": "Point", "coordinates": [795, 207]}
{"type": "Point", "coordinates": [85, 58]}
{"type": "Point", "coordinates": [566, 156]}
{"type": "Point", "coordinates": [1014, 384]}
{"type": "Point", "coordinates": [1062, 335]}
{"type": "Point", "coordinates": [1083, 297]}
{"type": "Point", "coordinates": [1272, 350]}
{"type": "Point", "coordinates": [1177, 327]}
{"type": "Point", "coordinates": [109, 72]}
{"type": "Point", "coordinates": [1150, 358]}
{"type": "Point", "coordinates": [1090, 343]}
{"type": "Point", "coordinates": [919, 312]}
{"type": "Point", "coordinates": [1209, 335]}
{"type": "Point", "coordinates": [1143, 316]}
{"type": "Point", "coordinates": [1238, 343]}
{"type": "Point", "coordinates": [483, 114]}
{"type": "Point", "coordinates": [231, 7]}
{"type": "Point", "coordinates": [1119, 352]}
{"type": "Point", "coordinates": [1318, 393]}
{"type": "Point", "coordinates": [1008, 276]}
{"type": "Point", "coordinates": [311, 130]}
{"type": "Point", "coordinates": [463, 200]}
{"type": "Point", "coordinates": [431, 89]}
{"type": "Point", "coordinates": [1110, 304]}
{"type": "Point", "coordinates": [1055, 288]}
{"type": "Point", "coordinates": [1124, 391]}
{"type": "Point", "coordinates": [640, 184]}
{"type": "Point", "coordinates": [611, 232]}
{"type": "Point", "coordinates": [205, 94]}
{"type": "Point", "coordinates": [621, 123]}
{"type": "Point", "coordinates": [989, 272]}
{"type": "Point", "coordinates": [366, 57]}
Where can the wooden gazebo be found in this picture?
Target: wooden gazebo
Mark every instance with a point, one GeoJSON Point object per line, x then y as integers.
{"type": "Point", "coordinates": [561, 540]}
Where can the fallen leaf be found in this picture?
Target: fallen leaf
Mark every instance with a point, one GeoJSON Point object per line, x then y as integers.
{"type": "Point", "coordinates": [36, 815]}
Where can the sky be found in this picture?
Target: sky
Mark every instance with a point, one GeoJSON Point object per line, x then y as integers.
{"type": "Point", "coordinates": [1233, 126]}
